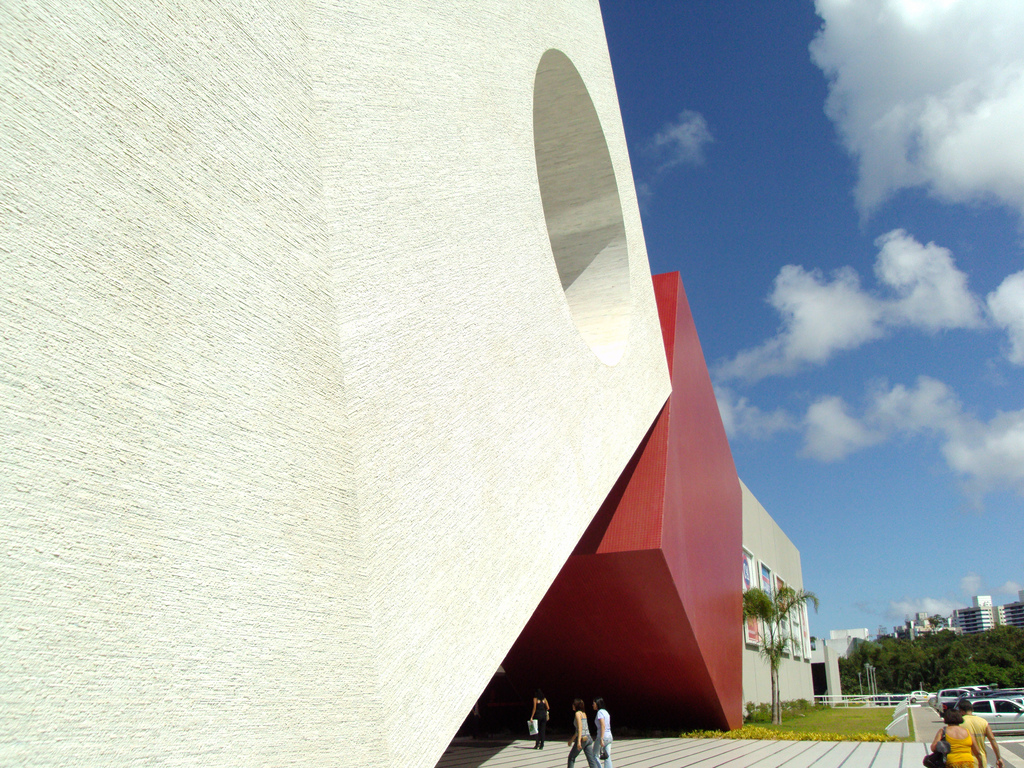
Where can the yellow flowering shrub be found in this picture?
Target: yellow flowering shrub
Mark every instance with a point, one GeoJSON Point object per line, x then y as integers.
{"type": "Point", "coordinates": [759, 732]}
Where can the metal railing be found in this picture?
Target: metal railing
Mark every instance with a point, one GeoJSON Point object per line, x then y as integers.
{"type": "Point", "coordinates": [888, 700]}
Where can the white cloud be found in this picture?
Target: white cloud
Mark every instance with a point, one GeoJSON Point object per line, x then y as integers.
{"type": "Point", "coordinates": [927, 94]}
{"type": "Point", "coordinates": [1006, 305]}
{"type": "Point", "coordinates": [741, 418]}
{"type": "Point", "coordinates": [929, 406]}
{"type": "Point", "coordinates": [986, 456]}
{"type": "Point", "coordinates": [920, 286]}
{"type": "Point", "coordinates": [832, 434]}
{"type": "Point", "coordinates": [931, 293]}
{"type": "Point", "coordinates": [681, 142]}
{"type": "Point", "coordinates": [970, 584]}
{"type": "Point", "coordinates": [900, 610]}
{"type": "Point", "coordinates": [1010, 588]}
{"type": "Point", "coordinates": [819, 317]}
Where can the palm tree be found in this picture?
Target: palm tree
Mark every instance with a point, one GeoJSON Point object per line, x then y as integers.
{"type": "Point", "coordinates": [772, 611]}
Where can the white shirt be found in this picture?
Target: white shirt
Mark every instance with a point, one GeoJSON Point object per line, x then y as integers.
{"type": "Point", "coordinates": [604, 725]}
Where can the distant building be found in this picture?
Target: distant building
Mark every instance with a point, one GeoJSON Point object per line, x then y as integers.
{"type": "Point", "coordinates": [921, 624]}
{"type": "Point", "coordinates": [825, 657]}
{"type": "Point", "coordinates": [845, 641]}
{"type": "Point", "coordinates": [980, 617]}
{"type": "Point", "coordinates": [1013, 613]}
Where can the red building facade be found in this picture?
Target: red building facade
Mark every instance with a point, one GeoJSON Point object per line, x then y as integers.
{"type": "Point", "coordinates": [647, 611]}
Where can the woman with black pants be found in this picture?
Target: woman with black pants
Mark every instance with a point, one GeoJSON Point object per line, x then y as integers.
{"type": "Point", "coordinates": [540, 714]}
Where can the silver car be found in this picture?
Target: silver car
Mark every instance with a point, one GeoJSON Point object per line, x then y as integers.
{"type": "Point", "coordinates": [948, 697]}
{"type": "Point", "coordinates": [1004, 715]}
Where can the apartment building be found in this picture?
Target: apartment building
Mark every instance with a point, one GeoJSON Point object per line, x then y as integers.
{"type": "Point", "coordinates": [980, 617]}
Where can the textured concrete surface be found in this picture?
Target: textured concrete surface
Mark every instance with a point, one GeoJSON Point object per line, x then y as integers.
{"type": "Point", "coordinates": [297, 421]}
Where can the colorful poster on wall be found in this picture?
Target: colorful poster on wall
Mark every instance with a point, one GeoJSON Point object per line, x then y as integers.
{"type": "Point", "coordinates": [798, 632]}
{"type": "Point", "coordinates": [807, 633]}
{"type": "Point", "coordinates": [753, 634]}
{"type": "Point", "coordinates": [787, 628]}
{"type": "Point", "coordinates": [766, 578]}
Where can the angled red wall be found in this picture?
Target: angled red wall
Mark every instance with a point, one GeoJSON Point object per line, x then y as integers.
{"type": "Point", "coordinates": [647, 611]}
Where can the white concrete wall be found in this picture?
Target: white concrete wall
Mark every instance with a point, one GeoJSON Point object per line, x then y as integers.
{"type": "Point", "coordinates": [763, 538]}
{"type": "Point", "coordinates": [844, 641]}
{"type": "Point", "coordinates": [297, 426]}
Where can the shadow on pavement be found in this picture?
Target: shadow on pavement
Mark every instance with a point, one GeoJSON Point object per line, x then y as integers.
{"type": "Point", "coordinates": [474, 753]}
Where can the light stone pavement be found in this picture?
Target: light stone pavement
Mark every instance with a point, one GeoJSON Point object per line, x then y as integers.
{"type": "Point", "coordinates": [722, 753]}
{"type": "Point", "coordinates": [695, 753]}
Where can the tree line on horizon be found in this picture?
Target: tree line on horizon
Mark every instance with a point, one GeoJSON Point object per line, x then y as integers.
{"type": "Point", "coordinates": [938, 660]}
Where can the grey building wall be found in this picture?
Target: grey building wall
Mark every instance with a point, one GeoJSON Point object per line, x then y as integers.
{"type": "Point", "coordinates": [828, 658]}
{"type": "Point", "coordinates": [769, 547]}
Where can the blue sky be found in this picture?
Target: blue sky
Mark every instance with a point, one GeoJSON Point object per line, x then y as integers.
{"type": "Point", "coordinates": [841, 185]}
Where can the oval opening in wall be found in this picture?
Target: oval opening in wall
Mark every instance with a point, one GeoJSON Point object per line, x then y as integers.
{"type": "Point", "coordinates": [581, 206]}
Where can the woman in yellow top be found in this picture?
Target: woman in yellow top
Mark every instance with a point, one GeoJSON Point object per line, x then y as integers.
{"type": "Point", "coordinates": [963, 746]}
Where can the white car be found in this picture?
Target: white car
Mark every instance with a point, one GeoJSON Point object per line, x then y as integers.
{"type": "Point", "coordinates": [1003, 715]}
{"type": "Point", "coordinates": [916, 696]}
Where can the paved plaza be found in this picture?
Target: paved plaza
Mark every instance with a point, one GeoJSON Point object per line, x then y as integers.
{"type": "Point", "coordinates": [721, 753]}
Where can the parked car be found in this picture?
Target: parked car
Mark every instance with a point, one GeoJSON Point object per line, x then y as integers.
{"type": "Point", "coordinates": [1009, 693]}
{"type": "Point", "coordinates": [948, 697]}
{"type": "Point", "coordinates": [1004, 715]}
{"type": "Point", "coordinates": [916, 696]}
{"type": "Point", "coordinates": [1013, 694]}
{"type": "Point", "coordinates": [888, 699]}
{"type": "Point", "coordinates": [945, 698]}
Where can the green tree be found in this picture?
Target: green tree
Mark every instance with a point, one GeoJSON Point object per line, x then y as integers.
{"type": "Point", "coordinates": [939, 660]}
{"type": "Point", "coordinates": [773, 612]}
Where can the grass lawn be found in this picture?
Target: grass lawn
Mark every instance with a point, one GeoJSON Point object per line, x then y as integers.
{"type": "Point", "coordinates": [835, 724]}
{"type": "Point", "coordinates": [836, 720]}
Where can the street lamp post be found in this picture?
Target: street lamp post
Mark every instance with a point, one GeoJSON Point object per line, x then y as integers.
{"type": "Point", "coordinates": [872, 678]}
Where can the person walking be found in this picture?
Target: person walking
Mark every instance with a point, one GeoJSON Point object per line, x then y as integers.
{"type": "Point", "coordinates": [581, 740]}
{"type": "Point", "coordinates": [603, 739]}
{"type": "Point", "coordinates": [963, 747]}
{"type": "Point", "coordinates": [540, 714]}
{"type": "Point", "coordinates": [981, 730]}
